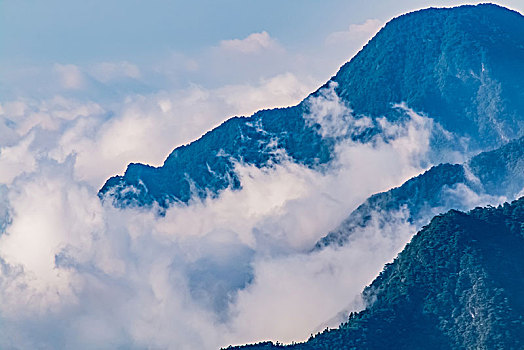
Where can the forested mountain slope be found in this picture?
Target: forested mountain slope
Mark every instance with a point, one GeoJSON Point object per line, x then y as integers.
{"type": "Point", "coordinates": [457, 285]}
{"type": "Point", "coordinates": [497, 173]}
{"type": "Point", "coordinates": [460, 66]}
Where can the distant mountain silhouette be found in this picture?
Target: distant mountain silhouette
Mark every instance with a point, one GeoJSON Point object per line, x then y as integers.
{"type": "Point", "coordinates": [461, 66]}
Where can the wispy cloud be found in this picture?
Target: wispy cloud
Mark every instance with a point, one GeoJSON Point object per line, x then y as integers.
{"type": "Point", "coordinates": [252, 44]}
{"type": "Point", "coordinates": [142, 128]}
{"type": "Point", "coordinates": [355, 33]}
{"type": "Point", "coordinates": [333, 116]}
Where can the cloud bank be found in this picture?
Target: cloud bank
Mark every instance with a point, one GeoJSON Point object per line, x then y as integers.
{"type": "Point", "coordinates": [142, 128]}
{"type": "Point", "coordinates": [76, 273]}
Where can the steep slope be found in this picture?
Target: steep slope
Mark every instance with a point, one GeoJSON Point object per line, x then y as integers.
{"type": "Point", "coordinates": [460, 66]}
{"type": "Point", "coordinates": [498, 173]}
{"type": "Point", "coordinates": [457, 285]}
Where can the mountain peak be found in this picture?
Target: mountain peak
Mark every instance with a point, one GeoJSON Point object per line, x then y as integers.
{"type": "Point", "coordinates": [460, 66]}
{"type": "Point", "coordinates": [457, 65]}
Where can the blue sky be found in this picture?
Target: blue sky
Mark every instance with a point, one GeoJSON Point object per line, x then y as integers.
{"type": "Point", "coordinates": [83, 31]}
{"type": "Point", "coordinates": [35, 35]}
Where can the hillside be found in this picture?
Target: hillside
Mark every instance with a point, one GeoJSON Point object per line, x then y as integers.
{"type": "Point", "coordinates": [461, 66]}
{"type": "Point", "coordinates": [457, 285]}
{"type": "Point", "coordinates": [497, 173]}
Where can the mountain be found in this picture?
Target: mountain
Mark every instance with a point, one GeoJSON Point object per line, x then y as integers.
{"type": "Point", "coordinates": [457, 285]}
{"type": "Point", "coordinates": [460, 66]}
{"type": "Point", "coordinates": [497, 173]}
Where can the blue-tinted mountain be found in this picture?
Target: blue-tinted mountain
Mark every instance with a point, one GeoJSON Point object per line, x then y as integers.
{"type": "Point", "coordinates": [460, 66]}
{"type": "Point", "coordinates": [457, 285]}
{"type": "Point", "coordinates": [497, 173]}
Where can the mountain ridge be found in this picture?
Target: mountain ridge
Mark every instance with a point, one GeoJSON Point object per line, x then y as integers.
{"type": "Point", "coordinates": [475, 99]}
{"type": "Point", "coordinates": [496, 173]}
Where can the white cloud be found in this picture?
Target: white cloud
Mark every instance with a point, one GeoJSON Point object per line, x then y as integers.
{"type": "Point", "coordinates": [229, 62]}
{"type": "Point", "coordinates": [70, 76]}
{"type": "Point", "coordinates": [82, 275]}
{"type": "Point", "coordinates": [143, 128]}
{"type": "Point", "coordinates": [252, 44]}
{"type": "Point", "coordinates": [128, 277]}
{"type": "Point", "coordinates": [16, 160]}
{"type": "Point", "coordinates": [355, 33]}
{"type": "Point", "coordinates": [295, 295]}
{"type": "Point", "coordinates": [279, 91]}
{"type": "Point", "coordinates": [463, 197]}
{"type": "Point", "coordinates": [341, 46]}
{"type": "Point", "coordinates": [332, 115]}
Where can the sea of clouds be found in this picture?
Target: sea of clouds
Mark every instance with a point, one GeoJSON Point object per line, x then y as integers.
{"type": "Point", "coordinates": [77, 273]}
